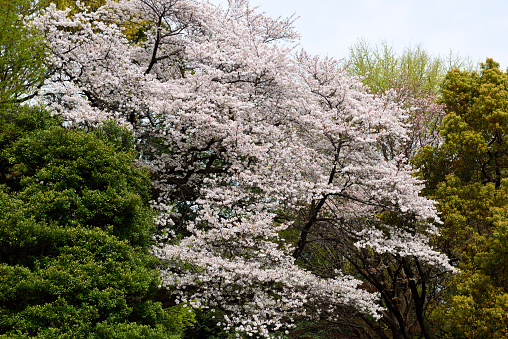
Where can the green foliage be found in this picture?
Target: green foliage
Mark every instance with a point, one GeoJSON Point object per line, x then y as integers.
{"type": "Point", "coordinates": [321, 329]}
{"type": "Point", "coordinates": [479, 302]}
{"type": "Point", "coordinates": [74, 178]}
{"type": "Point", "coordinates": [75, 230]}
{"type": "Point", "coordinates": [16, 120]}
{"type": "Point", "coordinates": [22, 53]}
{"type": "Point", "coordinates": [477, 123]}
{"type": "Point", "coordinates": [206, 326]}
{"type": "Point", "coordinates": [474, 130]}
{"type": "Point", "coordinates": [382, 67]}
{"type": "Point", "coordinates": [63, 4]}
{"type": "Point", "coordinates": [121, 138]}
{"type": "Point", "coordinates": [479, 309]}
{"type": "Point", "coordinates": [413, 78]}
{"type": "Point", "coordinates": [467, 175]}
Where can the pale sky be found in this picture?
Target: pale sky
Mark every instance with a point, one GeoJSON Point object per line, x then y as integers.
{"type": "Point", "coordinates": [469, 28]}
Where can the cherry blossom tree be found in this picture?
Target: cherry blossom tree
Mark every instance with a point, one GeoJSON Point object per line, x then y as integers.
{"type": "Point", "coordinates": [239, 129]}
{"type": "Point", "coordinates": [408, 287]}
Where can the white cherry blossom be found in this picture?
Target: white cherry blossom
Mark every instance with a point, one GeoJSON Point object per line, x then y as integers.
{"type": "Point", "coordinates": [238, 128]}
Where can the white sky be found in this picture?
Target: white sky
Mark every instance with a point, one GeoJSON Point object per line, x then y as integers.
{"type": "Point", "coordinates": [469, 28]}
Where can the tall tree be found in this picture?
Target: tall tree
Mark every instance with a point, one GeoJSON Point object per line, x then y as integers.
{"type": "Point", "coordinates": [466, 174]}
{"type": "Point", "coordinates": [407, 284]}
{"type": "Point", "coordinates": [74, 237]}
{"type": "Point", "coordinates": [415, 77]}
{"type": "Point", "coordinates": [237, 130]}
{"type": "Point", "coordinates": [22, 53]}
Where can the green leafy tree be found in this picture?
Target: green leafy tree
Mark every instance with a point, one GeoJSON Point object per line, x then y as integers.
{"type": "Point", "coordinates": [414, 76]}
{"type": "Point", "coordinates": [75, 231]}
{"type": "Point", "coordinates": [467, 175]}
{"type": "Point", "coordinates": [382, 67]}
{"type": "Point", "coordinates": [22, 53]}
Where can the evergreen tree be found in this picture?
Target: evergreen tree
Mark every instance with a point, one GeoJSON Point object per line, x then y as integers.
{"type": "Point", "coordinates": [75, 230]}
{"type": "Point", "coordinates": [467, 175]}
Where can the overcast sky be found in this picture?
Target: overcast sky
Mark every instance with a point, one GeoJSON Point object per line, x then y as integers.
{"type": "Point", "coordinates": [475, 29]}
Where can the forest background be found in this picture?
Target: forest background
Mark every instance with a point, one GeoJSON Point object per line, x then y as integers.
{"type": "Point", "coordinates": [169, 173]}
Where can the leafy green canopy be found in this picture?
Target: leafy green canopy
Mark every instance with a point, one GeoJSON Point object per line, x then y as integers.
{"type": "Point", "coordinates": [474, 130]}
{"type": "Point", "coordinates": [22, 53]}
{"type": "Point", "coordinates": [74, 236]}
{"type": "Point", "coordinates": [467, 175]}
{"type": "Point", "coordinates": [382, 67]}
{"type": "Point", "coordinates": [75, 178]}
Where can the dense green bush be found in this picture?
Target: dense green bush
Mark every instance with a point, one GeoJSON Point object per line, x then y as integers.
{"type": "Point", "coordinates": [75, 229]}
